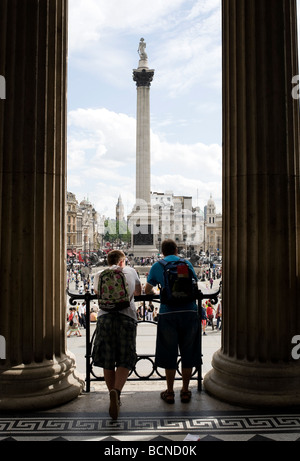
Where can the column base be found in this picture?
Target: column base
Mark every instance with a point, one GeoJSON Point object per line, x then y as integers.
{"type": "Point", "coordinates": [253, 384]}
{"type": "Point", "coordinates": [144, 251]}
{"type": "Point", "coordinates": [39, 386]}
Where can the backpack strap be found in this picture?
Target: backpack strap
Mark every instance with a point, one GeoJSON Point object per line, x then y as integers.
{"type": "Point", "coordinates": [125, 283]}
{"type": "Point", "coordinates": [163, 262]}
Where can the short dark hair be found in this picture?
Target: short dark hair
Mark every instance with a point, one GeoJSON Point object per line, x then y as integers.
{"type": "Point", "coordinates": [114, 257]}
{"type": "Point", "coordinates": [169, 247]}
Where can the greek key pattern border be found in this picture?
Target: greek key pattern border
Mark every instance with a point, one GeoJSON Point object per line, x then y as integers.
{"type": "Point", "coordinates": [61, 425]}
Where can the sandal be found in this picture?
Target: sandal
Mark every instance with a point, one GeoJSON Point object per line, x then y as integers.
{"type": "Point", "coordinates": [185, 396]}
{"type": "Point", "coordinates": [168, 397]}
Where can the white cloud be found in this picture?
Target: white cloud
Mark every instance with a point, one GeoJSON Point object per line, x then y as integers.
{"type": "Point", "coordinates": [203, 7]}
{"type": "Point", "coordinates": [194, 170]}
{"type": "Point", "coordinates": [104, 165]}
{"type": "Point", "coordinates": [193, 160]}
{"type": "Point", "coordinates": [90, 20]}
{"type": "Point", "coordinates": [111, 134]}
{"type": "Point", "coordinates": [186, 57]}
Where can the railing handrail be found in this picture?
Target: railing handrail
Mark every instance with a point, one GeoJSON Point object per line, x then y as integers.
{"type": "Point", "coordinates": [144, 297]}
{"type": "Point", "coordinates": [87, 296]}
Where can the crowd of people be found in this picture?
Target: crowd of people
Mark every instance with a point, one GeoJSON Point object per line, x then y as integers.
{"type": "Point", "coordinates": [209, 314]}
{"type": "Point", "coordinates": [148, 312]}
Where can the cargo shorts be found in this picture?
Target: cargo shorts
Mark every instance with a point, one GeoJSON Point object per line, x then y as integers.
{"type": "Point", "coordinates": [115, 342]}
{"type": "Point", "coordinates": [178, 332]}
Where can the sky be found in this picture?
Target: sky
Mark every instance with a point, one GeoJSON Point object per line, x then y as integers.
{"type": "Point", "coordinates": [183, 40]}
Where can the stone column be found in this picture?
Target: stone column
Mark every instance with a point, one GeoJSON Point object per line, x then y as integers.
{"type": "Point", "coordinates": [38, 372]}
{"type": "Point", "coordinates": [260, 207]}
{"type": "Point", "coordinates": [143, 78]}
{"type": "Point", "coordinates": [142, 220]}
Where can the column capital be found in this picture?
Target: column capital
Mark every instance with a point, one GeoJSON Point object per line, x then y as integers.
{"type": "Point", "coordinates": [143, 77]}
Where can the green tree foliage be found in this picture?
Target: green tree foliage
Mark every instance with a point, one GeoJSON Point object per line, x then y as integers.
{"type": "Point", "coordinates": [116, 231]}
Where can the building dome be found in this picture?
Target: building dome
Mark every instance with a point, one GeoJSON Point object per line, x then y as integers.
{"type": "Point", "coordinates": [211, 201]}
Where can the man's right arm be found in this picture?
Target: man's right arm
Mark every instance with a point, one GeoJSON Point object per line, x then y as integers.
{"type": "Point", "coordinates": [138, 288]}
{"type": "Point", "coordinates": [149, 289]}
{"type": "Point", "coordinates": [153, 279]}
{"type": "Point", "coordinates": [96, 279]}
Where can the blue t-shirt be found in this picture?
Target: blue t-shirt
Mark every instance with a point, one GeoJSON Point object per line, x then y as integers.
{"type": "Point", "coordinates": [156, 277]}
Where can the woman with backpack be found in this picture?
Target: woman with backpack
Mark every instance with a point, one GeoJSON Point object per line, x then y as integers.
{"type": "Point", "coordinates": [115, 341]}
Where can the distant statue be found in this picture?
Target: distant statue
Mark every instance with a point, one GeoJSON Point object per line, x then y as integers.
{"type": "Point", "coordinates": [141, 50]}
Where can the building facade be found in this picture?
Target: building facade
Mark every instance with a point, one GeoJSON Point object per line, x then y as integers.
{"type": "Point", "coordinates": [178, 220]}
{"type": "Point", "coordinates": [82, 226]}
{"type": "Point", "coordinates": [174, 217]}
{"type": "Point", "coordinates": [72, 210]}
{"type": "Point", "coordinates": [213, 241]}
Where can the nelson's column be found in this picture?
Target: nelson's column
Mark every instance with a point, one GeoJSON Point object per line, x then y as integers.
{"type": "Point", "coordinates": [142, 220]}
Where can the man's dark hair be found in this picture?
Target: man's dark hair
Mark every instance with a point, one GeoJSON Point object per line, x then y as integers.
{"type": "Point", "coordinates": [114, 257]}
{"type": "Point", "coordinates": [169, 247]}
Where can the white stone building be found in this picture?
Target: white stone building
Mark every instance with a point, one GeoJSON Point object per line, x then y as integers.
{"type": "Point", "coordinates": [178, 220]}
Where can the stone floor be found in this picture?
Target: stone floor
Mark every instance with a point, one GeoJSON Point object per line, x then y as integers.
{"type": "Point", "coordinates": [144, 417]}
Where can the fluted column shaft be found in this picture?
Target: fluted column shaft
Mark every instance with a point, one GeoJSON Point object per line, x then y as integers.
{"type": "Point", "coordinates": [260, 206]}
{"type": "Point", "coordinates": [143, 79]}
{"type": "Point", "coordinates": [143, 145]}
{"type": "Point", "coordinates": [37, 371]}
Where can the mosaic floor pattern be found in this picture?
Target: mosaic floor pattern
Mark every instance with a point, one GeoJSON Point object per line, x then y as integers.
{"type": "Point", "coordinates": [204, 427]}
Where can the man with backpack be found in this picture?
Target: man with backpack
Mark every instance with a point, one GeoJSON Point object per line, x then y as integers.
{"type": "Point", "coordinates": [115, 341]}
{"type": "Point", "coordinates": [178, 321]}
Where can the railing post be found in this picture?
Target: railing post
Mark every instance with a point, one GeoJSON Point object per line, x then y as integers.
{"type": "Point", "coordinates": [199, 379]}
{"type": "Point", "coordinates": [214, 299]}
{"type": "Point", "coordinates": [87, 298]}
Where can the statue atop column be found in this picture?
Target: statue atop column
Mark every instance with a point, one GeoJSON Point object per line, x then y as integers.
{"type": "Point", "coordinates": [141, 50]}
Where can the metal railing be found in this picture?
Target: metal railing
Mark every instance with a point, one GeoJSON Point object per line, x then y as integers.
{"type": "Point", "coordinates": [134, 374]}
